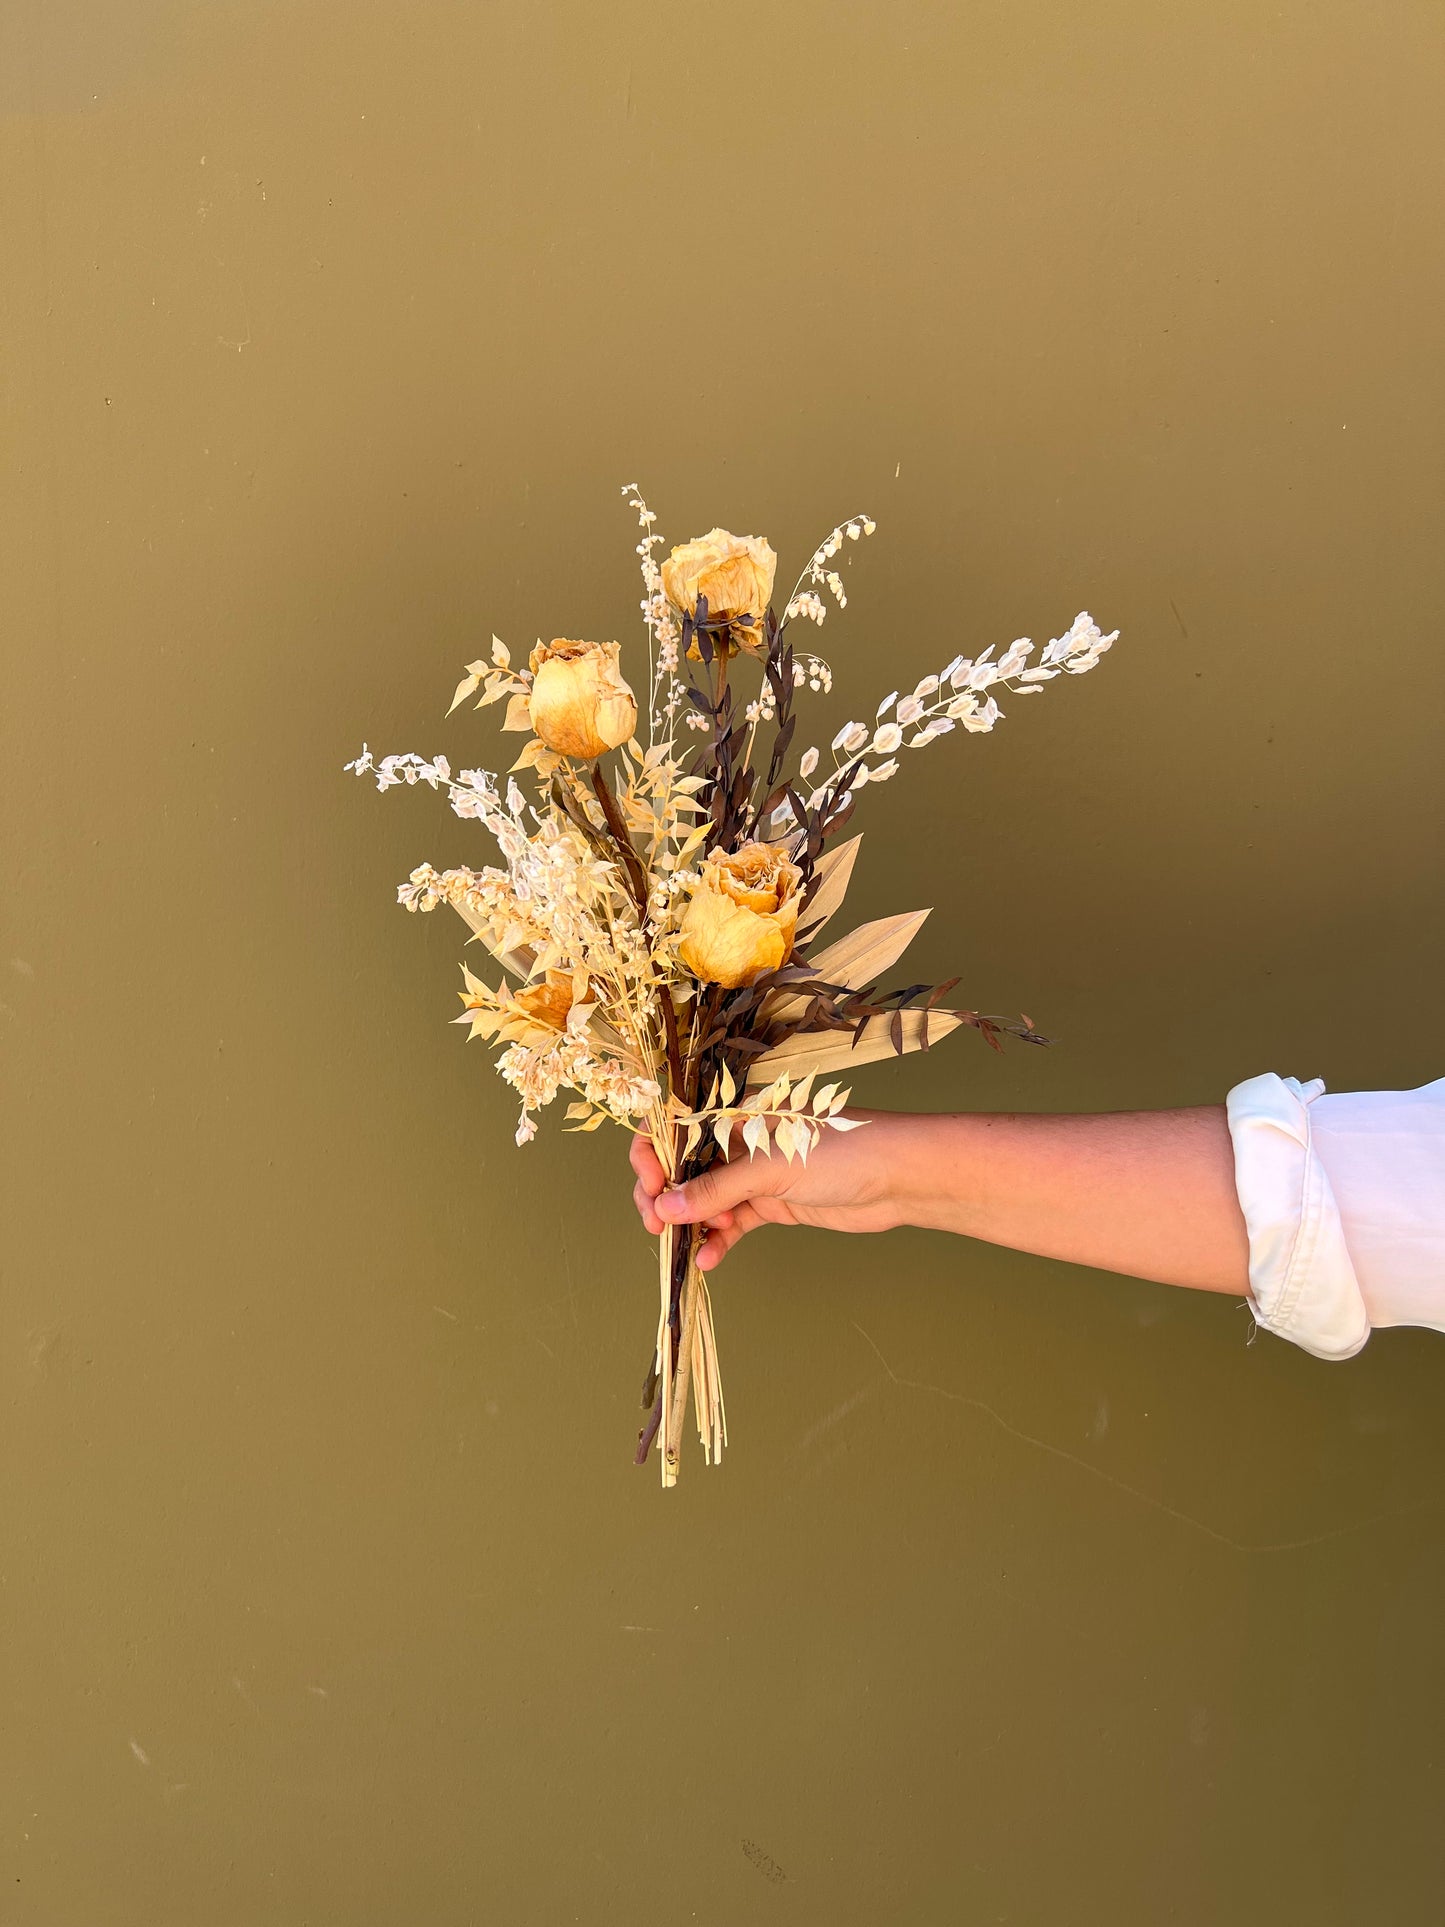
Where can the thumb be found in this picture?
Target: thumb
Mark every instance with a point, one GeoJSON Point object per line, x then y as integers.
{"type": "Point", "coordinates": [716, 1189]}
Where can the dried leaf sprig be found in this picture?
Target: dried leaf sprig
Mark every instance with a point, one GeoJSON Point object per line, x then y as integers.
{"type": "Point", "coordinates": [783, 1114]}
{"type": "Point", "coordinates": [657, 909]}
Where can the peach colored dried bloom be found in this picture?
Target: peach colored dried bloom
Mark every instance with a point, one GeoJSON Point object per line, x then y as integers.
{"type": "Point", "coordinates": [734, 572]}
{"type": "Point", "coordinates": [580, 704]}
{"type": "Point", "coordinates": [742, 916]}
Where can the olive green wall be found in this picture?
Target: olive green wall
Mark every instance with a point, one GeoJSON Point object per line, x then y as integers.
{"type": "Point", "coordinates": [1025, 1595]}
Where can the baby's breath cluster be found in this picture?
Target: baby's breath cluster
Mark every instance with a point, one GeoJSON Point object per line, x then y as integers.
{"type": "Point", "coordinates": [667, 693]}
{"type": "Point", "coordinates": [558, 904]}
{"type": "Point", "coordinates": [809, 672]}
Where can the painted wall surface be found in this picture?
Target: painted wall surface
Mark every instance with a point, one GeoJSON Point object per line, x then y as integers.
{"type": "Point", "coordinates": [1026, 1594]}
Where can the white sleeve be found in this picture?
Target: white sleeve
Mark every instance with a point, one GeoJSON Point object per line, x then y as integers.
{"type": "Point", "coordinates": [1344, 1201]}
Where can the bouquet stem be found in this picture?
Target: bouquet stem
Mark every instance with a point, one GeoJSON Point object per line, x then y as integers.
{"type": "Point", "coordinates": [685, 1359]}
{"type": "Point", "coordinates": [692, 1291]}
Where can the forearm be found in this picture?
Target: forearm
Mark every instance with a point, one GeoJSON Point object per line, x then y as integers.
{"type": "Point", "coordinates": [1149, 1193]}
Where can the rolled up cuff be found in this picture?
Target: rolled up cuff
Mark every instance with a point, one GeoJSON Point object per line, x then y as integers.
{"type": "Point", "coordinates": [1302, 1282]}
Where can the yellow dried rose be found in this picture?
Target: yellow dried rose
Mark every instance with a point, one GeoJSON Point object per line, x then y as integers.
{"type": "Point", "coordinates": [742, 916]}
{"type": "Point", "coordinates": [735, 573]}
{"type": "Point", "coordinates": [580, 705]}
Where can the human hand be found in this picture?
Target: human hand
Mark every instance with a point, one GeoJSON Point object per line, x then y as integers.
{"type": "Point", "coordinates": [846, 1185]}
{"type": "Point", "coordinates": [1148, 1193]}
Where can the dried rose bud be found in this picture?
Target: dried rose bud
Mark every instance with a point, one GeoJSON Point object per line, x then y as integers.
{"type": "Point", "coordinates": [742, 915]}
{"type": "Point", "coordinates": [580, 705]}
{"type": "Point", "coordinates": [534, 1017]}
{"type": "Point", "coordinates": [735, 573]}
{"type": "Point", "coordinates": [546, 1005]}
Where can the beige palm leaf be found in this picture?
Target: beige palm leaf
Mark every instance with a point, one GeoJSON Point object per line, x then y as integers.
{"type": "Point", "coordinates": [834, 1050]}
{"type": "Point", "coordinates": [831, 876]}
{"type": "Point", "coordinates": [858, 959]}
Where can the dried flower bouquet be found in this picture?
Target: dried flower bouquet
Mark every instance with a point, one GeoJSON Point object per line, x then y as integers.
{"type": "Point", "coordinates": [659, 908]}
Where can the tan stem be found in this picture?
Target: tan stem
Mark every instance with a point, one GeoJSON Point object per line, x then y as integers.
{"type": "Point", "coordinates": [664, 1354]}
{"type": "Point", "coordinates": [675, 1412]}
{"type": "Point", "coordinates": [631, 861]}
{"type": "Point", "coordinates": [665, 1146]}
{"type": "Point", "coordinates": [682, 1368]}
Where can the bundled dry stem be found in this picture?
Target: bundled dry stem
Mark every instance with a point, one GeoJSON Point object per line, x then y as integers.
{"type": "Point", "coordinates": [692, 1295]}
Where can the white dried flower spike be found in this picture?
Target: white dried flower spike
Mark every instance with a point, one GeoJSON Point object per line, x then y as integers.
{"type": "Point", "coordinates": [956, 696]}
{"type": "Point", "coordinates": [645, 515]}
{"type": "Point", "coordinates": [807, 602]}
{"type": "Point", "coordinates": [665, 696]}
{"type": "Point", "coordinates": [1080, 646]}
{"type": "Point", "coordinates": [408, 768]}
